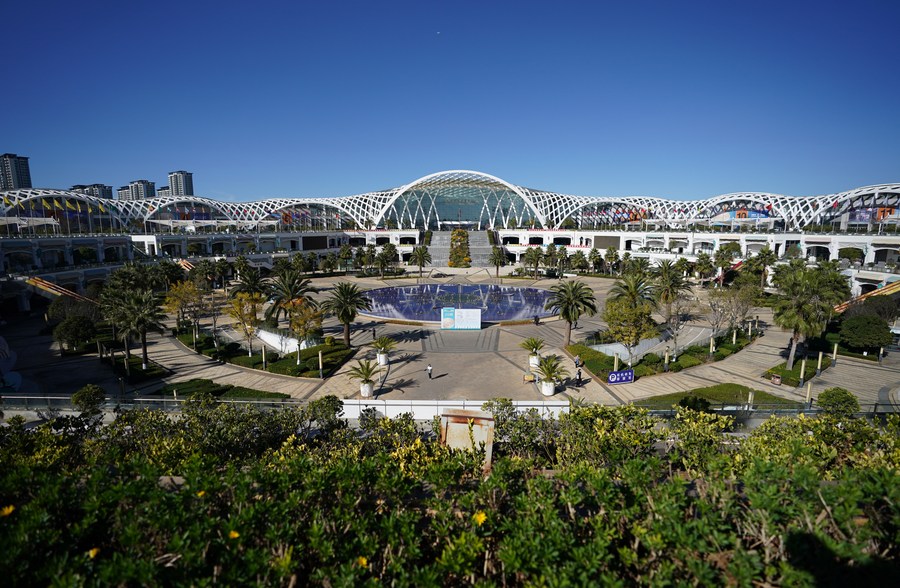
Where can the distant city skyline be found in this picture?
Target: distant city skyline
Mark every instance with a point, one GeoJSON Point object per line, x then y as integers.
{"type": "Point", "coordinates": [674, 100]}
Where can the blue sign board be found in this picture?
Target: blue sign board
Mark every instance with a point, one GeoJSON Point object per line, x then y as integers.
{"type": "Point", "coordinates": [621, 377]}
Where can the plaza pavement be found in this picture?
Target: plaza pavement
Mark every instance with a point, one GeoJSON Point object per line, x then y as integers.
{"type": "Point", "coordinates": [471, 365]}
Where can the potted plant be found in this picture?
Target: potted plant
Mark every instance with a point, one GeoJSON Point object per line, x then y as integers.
{"type": "Point", "coordinates": [383, 346]}
{"type": "Point", "coordinates": [364, 371]}
{"type": "Point", "coordinates": [533, 345]}
{"type": "Point", "coordinates": [550, 369]}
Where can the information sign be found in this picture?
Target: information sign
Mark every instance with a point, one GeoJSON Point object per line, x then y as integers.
{"type": "Point", "coordinates": [621, 377]}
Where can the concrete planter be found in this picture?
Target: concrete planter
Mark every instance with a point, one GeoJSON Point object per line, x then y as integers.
{"type": "Point", "coordinates": [548, 388]}
{"type": "Point", "coordinates": [534, 360]}
{"type": "Point", "coordinates": [382, 359]}
{"type": "Point", "coordinates": [366, 388]}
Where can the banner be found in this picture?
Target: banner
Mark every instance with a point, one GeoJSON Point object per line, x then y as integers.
{"type": "Point", "coordinates": [460, 319]}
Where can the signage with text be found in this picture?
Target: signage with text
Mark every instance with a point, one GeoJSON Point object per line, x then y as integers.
{"type": "Point", "coordinates": [460, 319]}
{"type": "Point", "coordinates": [621, 377]}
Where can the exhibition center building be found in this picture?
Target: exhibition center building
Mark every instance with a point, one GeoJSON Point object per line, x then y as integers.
{"type": "Point", "coordinates": [43, 230]}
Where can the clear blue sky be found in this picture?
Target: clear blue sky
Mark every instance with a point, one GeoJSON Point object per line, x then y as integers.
{"type": "Point", "coordinates": [676, 99]}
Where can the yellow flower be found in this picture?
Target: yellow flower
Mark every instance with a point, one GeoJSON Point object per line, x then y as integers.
{"type": "Point", "coordinates": [233, 534]}
{"type": "Point", "coordinates": [201, 493]}
{"type": "Point", "coordinates": [93, 552]}
{"type": "Point", "coordinates": [479, 517]}
{"type": "Point", "coordinates": [7, 510]}
{"type": "Point", "coordinates": [362, 562]}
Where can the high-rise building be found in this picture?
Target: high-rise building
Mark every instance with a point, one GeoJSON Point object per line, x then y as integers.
{"type": "Point", "coordinates": [97, 190]}
{"type": "Point", "coordinates": [181, 183]}
{"type": "Point", "coordinates": [14, 172]}
{"type": "Point", "coordinates": [137, 190]}
{"type": "Point", "coordinates": [163, 191]}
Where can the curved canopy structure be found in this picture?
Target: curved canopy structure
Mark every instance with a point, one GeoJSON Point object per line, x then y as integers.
{"type": "Point", "coordinates": [447, 200]}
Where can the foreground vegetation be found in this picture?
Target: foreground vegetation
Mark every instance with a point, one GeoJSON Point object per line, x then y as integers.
{"type": "Point", "coordinates": [234, 496]}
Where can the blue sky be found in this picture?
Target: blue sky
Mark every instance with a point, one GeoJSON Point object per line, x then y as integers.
{"type": "Point", "coordinates": [672, 99]}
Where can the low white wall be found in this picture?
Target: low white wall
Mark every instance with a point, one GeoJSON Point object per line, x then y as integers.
{"type": "Point", "coordinates": [425, 410]}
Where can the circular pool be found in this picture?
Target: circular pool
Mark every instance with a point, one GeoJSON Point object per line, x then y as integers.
{"type": "Point", "coordinates": [424, 302]}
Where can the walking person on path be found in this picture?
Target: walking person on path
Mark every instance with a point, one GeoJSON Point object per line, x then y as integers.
{"type": "Point", "coordinates": [578, 378]}
{"type": "Point", "coordinates": [373, 333]}
{"type": "Point", "coordinates": [428, 369]}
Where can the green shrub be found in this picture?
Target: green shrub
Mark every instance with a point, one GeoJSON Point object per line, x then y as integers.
{"type": "Point", "coordinates": [792, 377]}
{"type": "Point", "coordinates": [674, 366]}
{"type": "Point", "coordinates": [721, 354]}
{"type": "Point", "coordinates": [688, 361]}
{"type": "Point", "coordinates": [641, 370]}
{"type": "Point", "coordinates": [694, 403]}
{"type": "Point", "coordinates": [651, 359]}
{"type": "Point", "coordinates": [88, 399]}
{"type": "Point", "coordinates": [838, 402]}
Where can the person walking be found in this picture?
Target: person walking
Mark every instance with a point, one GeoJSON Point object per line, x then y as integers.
{"type": "Point", "coordinates": [373, 334]}
{"type": "Point", "coordinates": [578, 378]}
{"type": "Point", "coordinates": [428, 369]}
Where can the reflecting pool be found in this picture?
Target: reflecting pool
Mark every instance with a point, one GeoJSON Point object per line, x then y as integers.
{"type": "Point", "coordinates": [424, 302]}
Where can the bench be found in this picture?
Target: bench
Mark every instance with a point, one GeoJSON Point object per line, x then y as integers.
{"type": "Point", "coordinates": [527, 377]}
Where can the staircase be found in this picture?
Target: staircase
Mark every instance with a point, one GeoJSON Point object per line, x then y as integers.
{"type": "Point", "coordinates": [440, 248]}
{"type": "Point", "coordinates": [480, 249]}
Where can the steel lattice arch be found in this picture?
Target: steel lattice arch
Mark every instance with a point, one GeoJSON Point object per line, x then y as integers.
{"type": "Point", "coordinates": [445, 200]}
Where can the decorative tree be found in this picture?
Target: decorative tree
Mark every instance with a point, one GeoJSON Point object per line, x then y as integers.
{"type": "Point", "coordinates": [629, 324]}
{"type": "Point", "coordinates": [345, 302]}
{"type": "Point", "coordinates": [571, 300]}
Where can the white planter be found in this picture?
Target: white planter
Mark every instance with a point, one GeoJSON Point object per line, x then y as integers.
{"type": "Point", "coordinates": [366, 388]}
{"type": "Point", "coordinates": [534, 360]}
{"type": "Point", "coordinates": [548, 388]}
{"type": "Point", "coordinates": [382, 359]}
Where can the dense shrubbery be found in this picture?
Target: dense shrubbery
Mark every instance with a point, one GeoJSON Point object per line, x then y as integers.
{"type": "Point", "coordinates": [792, 377]}
{"type": "Point", "coordinates": [235, 496]}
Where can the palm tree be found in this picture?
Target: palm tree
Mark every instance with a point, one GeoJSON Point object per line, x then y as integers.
{"type": "Point", "coordinates": [286, 290]}
{"type": "Point", "coordinates": [241, 265]}
{"type": "Point", "coordinates": [420, 257]}
{"type": "Point", "coordinates": [578, 261]}
{"type": "Point", "coordinates": [497, 259]}
{"type": "Point", "coordinates": [551, 369]}
{"type": "Point", "coordinates": [669, 284]}
{"type": "Point", "coordinates": [550, 256]}
{"type": "Point", "coordinates": [220, 269]}
{"type": "Point", "coordinates": [532, 345]}
{"type": "Point", "coordinates": [764, 259]}
{"type": "Point", "coordinates": [635, 289]}
{"type": "Point", "coordinates": [611, 257]}
{"type": "Point", "coordinates": [141, 314]}
{"type": "Point", "coordinates": [364, 371]}
{"type": "Point", "coordinates": [532, 258]}
{"type": "Point", "coordinates": [683, 266]}
{"type": "Point", "coordinates": [626, 262]}
{"type": "Point", "coordinates": [639, 265]}
{"type": "Point", "coordinates": [571, 300]}
{"type": "Point", "coordinates": [382, 262]}
{"type": "Point", "coordinates": [806, 301]}
{"type": "Point", "coordinates": [594, 258]}
{"type": "Point", "coordinates": [723, 259]}
{"type": "Point", "coordinates": [704, 265]}
{"type": "Point", "coordinates": [249, 282]}
{"type": "Point", "coordinates": [345, 302]}
{"type": "Point", "coordinates": [345, 255]}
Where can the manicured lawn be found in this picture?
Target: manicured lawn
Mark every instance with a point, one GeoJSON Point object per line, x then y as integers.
{"type": "Point", "coordinates": [726, 394]}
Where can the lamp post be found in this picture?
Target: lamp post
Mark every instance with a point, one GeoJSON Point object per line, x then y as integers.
{"type": "Point", "coordinates": [666, 364]}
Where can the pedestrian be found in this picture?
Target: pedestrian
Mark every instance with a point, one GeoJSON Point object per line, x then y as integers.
{"type": "Point", "coordinates": [428, 369]}
{"type": "Point", "coordinates": [373, 333]}
{"type": "Point", "coordinates": [578, 378]}
{"type": "Point", "coordinates": [577, 361]}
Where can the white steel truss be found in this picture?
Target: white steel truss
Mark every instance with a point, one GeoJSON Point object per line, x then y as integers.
{"type": "Point", "coordinates": [418, 204]}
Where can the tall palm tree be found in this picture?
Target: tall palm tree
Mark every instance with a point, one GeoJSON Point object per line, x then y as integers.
{"type": "Point", "coordinates": [221, 268]}
{"type": "Point", "coordinates": [723, 259]}
{"type": "Point", "coordinates": [766, 258]}
{"type": "Point", "coordinates": [594, 258]}
{"type": "Point", "coordinates": [571, 300]}
{"type": "Point", "coordinates": [420, 257]}
{"type": "Point", "coordinates": [704, 265]}
{"type": "Point", "coordinates": [345, 302]}
{"type": "Point", "coordinates": [683, 266]}
{"type": "Point", "coordinates": [806, 301]}
{"type": "Point", "coordinates": [249, 282]}
{"type": "Point", "coordinates": [639, 265]}
{"type": "Point", "coordinates": [286, 290]}
{"type": "Point", "coordinates": [635, 289]}
{"type": "Point", "coordinates": [611, 257]}
{"type": "Point", "coordinates": [141, 314]}
{"type": "Point", "coordinates": [241, 265]}
{"type": "Point", "coordinates": [669, 284]}
{"type": "Point", "coordinates": [497, 259]}
{"type": "Point", "coordinates": [532, 258]}
{"type": "Point", "coordinates": [345, 255]}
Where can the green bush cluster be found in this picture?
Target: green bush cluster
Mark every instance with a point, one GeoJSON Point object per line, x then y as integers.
{"type": "Point", "coordinates": [459, 249]}
{"type": "Point", "coordinates": [201, 387]}
{"type": "Point", "coordinates": [236, 496]}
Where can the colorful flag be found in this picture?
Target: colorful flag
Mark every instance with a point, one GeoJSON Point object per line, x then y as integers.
{"type": "Point", "coordinates": [100, 206]}
{"type": "Point", "coordinates": [6, 201]}
{"type": "Point", "coordinates": [69, 205]}
{"type": "Point", "coordinates": [57, 203]}
{"type": "Point", "coordinates": [46, 203]}
{"type": "Point", "coordinates": [90, 210]}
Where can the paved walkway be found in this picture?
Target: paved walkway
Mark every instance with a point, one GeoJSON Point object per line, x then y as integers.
{"type": "Point", "coordinates": [472, 365]}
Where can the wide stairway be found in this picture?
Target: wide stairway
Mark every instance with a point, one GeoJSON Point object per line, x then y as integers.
{"type": "Point", "coordinates": [440, 248]}
{"type": "Point", "coordinates": [480, 249]}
